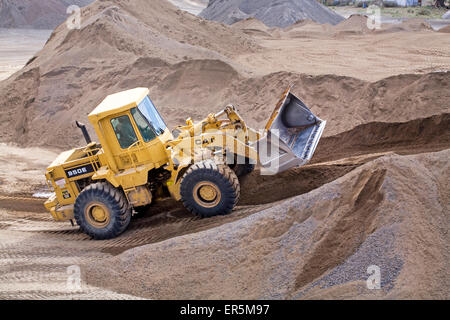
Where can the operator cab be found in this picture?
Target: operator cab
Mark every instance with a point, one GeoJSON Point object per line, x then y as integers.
{"type": "Point", "coordinates": [131, 129]}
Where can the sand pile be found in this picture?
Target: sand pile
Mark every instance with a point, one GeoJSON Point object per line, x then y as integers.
{"type": "Point", "coordinates": [359, 145]}
{"type": "Point", "coordinates": [409, 25]}
{"type": "Point", "coordinates": [307, 29]}
{"type": "Point", "coordinates": [356, 23]}
{"type": "Point", "coordinates": [346, 102]}
{"type": "Point", "coordinates": [415, 25]}
{"type": "Point", "coordinates": [201, 86]}
{"type": "Point", "coordinates": [317, 245]}
{"type": "Point", "coordinates": [121, 44]}
{"type": "Point", "coordinates": [42, 14]}
{"type": "Point", "coordinates": [415, 136]}
{"type": "Point", "coordinates": [251, 23]}
{"type": "Point", "coordinates": [273, 14]}
{"type": "Point", "coordinates": [353, 25]}
{"type": "Point", "coordinates": [252, 26]}
{"type": "Point", "coordinates": [445, 29]}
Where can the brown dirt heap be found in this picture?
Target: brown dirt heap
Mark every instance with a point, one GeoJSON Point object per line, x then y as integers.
{"type": "Point", "coordinates": [317, 245]}
{"type": "Point", "coordinates": [121, 44]}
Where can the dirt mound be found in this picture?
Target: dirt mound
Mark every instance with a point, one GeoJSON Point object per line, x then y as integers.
{"type": "Point", "coordinates": [121, 44]}
{"type": "Point", "coordinates": [415, 136]}
{"type": "Point", "coordinates": [357, 146]}
{"type": "Point", "coordinates": [202, 86]}
{"type": "Point", "coordinates": [42, 14]}
{"type": "Point", "coordinates": [308, 28]}
{"type": "Point", "coordinates": [253, 27]}
{"type": "Point", "coordinates": [409, 25]}
{"type": "Point", "coordinates": [317, 245]}
{"type": "Point", "coordinates": [415, 24]}
{"type": "Point", "coordinates": [346, 102]}
{"type": "Point", "coordinates": [356, 23]}
{"type": "Point", "coordinates": [250, 23]}
{"type": "Point", "coordinates": [445, 29]}
{"type": "Point", "coordinates": [273, 14]}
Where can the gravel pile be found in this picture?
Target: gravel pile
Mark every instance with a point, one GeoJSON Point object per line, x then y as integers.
{"type": "Point", "coordinates": [282, 13]}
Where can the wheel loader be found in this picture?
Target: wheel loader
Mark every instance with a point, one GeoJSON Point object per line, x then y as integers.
{"type": "Point", "coordinates": [137, 160]}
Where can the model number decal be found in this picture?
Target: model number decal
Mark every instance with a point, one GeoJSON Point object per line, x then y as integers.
{"type": "Point", "coordinates": [75, 172]}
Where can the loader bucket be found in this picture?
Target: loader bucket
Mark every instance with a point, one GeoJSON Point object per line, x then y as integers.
{"type": "Point", "coordinates": [293, 133]}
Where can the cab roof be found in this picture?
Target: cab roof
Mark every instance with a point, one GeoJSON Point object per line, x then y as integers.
{"type": "Point", "coordinates": [118, 102]}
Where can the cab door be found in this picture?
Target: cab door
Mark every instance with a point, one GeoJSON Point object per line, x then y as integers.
{"type": "Point", "coordinates": [124, 141]}
{"type": "Point", "coordinates": [134, 144]}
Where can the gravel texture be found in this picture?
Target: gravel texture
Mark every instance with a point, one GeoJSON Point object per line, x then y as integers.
{"type": "Point", "coordinates": [272, 13]}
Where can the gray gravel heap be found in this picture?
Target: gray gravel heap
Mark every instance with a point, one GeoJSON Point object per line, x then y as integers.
{"type": "Point", "coordinates": [37, 14]}
{"type": "Point", "coordinates": [280, 13]}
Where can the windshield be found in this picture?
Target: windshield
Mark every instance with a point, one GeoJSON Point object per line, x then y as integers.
{"type": "Point", "coordinates": [148, 110]}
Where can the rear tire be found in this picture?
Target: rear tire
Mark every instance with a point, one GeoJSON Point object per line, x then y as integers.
{"type": "Point", "coordinates": [209, 189]}
{"type": "Point", "coordinates": [102, 211]}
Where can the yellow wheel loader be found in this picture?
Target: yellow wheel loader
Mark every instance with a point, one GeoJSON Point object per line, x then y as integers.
{"type": "Point", "coordinates": [138, 160]}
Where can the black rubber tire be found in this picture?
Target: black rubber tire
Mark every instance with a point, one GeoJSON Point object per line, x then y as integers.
{"type": "Point", "coordinates": [116, 203]}
{"type": "Point", "coordinates": [222, 176]}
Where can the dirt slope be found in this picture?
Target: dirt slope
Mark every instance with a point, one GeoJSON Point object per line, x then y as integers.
{"type": "Point", "coordinates": [42, 14]}
{"type": "Point", "coordinates": [273, 14]}
{"type": "Point", "coordinates": [199, 84]}
{"type": "Point", "coordinates": [346, 102]}
{"type": "Point", "coordinates": [317, 245]}
{"type": "Point", "coordinates": [121, 44]}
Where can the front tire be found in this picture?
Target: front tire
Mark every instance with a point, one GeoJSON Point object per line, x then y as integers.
{"type": "Point", "coordinates": [102, 211]}
{"type": "Point", "coordinates": [209, 189]}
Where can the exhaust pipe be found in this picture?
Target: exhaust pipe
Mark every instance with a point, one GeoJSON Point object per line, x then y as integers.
{"type": "Point", "coordinates": [86, 135]}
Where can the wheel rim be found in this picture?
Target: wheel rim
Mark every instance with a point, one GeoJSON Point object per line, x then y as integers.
{"type": "Point", "coordinates": [97, 215]}
{"type": "Point", "coordinates": [207, 194]}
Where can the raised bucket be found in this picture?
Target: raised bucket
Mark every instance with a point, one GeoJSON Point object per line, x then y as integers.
{"type": "Point", "coordinates": [292, 135]}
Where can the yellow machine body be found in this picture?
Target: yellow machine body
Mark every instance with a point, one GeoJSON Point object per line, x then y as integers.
{"type": "Point", "coordinates": [144, 161]}
{"type": "Point", "coordinates": [130, 167]}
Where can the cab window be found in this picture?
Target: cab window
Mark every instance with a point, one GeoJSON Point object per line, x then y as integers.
{"type": "Point", "coordinates": [145, 128]}
{"type": "Point", "coordinates": [124, 131]}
